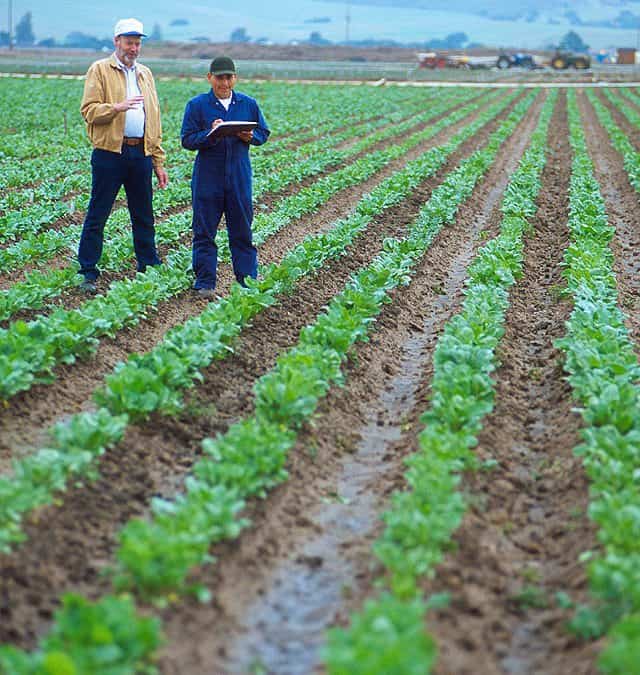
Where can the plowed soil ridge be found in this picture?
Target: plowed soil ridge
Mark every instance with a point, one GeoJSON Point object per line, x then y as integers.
{"type": "Point", "coordinates": [632, 132]}
{"type": "Point", "coordinates": [276, 544]}
{"type": "Point", "coordinates": [26, 416]}
{"type": "Point", "coordinates": [621, 204]}
{"type": "Point", "coordinates": [72, 543]}
{"type": "Point", "coordinates": [519, 544]}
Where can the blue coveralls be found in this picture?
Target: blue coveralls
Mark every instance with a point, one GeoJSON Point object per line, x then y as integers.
{"type": "Point", "coordinates": [221, 183]}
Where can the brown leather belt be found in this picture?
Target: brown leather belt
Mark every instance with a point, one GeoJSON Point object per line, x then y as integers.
{"type": "Point", "coordinates": [131, 141]}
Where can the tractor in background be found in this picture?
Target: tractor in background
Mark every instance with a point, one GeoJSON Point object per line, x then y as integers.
{"type": "Point", "coordinates": [562, 60]}
{"type": "Point", "coordinates": [517, 60]}
{"type": "Point", "coordinates": [433, 60]}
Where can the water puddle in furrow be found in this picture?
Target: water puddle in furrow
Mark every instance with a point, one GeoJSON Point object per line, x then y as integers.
{"type": "Point", "coordinates": [285, 628]}
{"type": "Point", "coordinates": [519, 661]}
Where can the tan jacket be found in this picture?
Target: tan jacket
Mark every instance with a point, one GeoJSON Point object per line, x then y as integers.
{"type": "Point", "coordinates": [105, 85]}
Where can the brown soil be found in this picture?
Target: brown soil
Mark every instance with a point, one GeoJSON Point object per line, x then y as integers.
{"type": "Point", "coordinates": [280, 534]}
{"type": "Point", "coordinates": [305, 562]}
{"type": "Point", "coordinates": [621, 204]}
{"type": "Point", "coordinates": [32, 410]}
{"type": "Point", "coordinates": [153, 458]}
{"type": "Point", "coordinates": [632, 132]}
{"type": "Point", "coordinates": [521, 539]}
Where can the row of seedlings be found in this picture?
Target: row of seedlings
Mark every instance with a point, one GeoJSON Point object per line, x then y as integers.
{"type": "Point", "coordinates": [54, 199]}
{"type": "Point", "coordinates": [179, 534]}
{"type": "Point", "coordinates": [604, 373]}
{"type": "Point", "coordinates": [154, 381]}
{"type": "Point", "coordinates": [29, 351]}
{"type": "Point", "coordinates": [388, 635]}
{"type": "Point", "coordinates": [40, 285]}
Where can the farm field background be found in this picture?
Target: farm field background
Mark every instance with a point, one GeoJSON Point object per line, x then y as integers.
{"type": "Point", "coordinates": [411, 446]}
{"type": "Point", "coordinates": [307, 64]}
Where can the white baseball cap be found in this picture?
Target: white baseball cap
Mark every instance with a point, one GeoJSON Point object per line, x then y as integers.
{"type": "Point", "coordinates": [129, 27]}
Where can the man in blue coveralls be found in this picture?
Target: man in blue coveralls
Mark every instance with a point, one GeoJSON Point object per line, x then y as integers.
{"type": "Point", "coordinates": [221, 180]}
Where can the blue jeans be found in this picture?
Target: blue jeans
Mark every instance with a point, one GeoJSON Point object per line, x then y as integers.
{"type": "Point", "coordinates": [110, 171]}
{"type": "Point", "coordinates": [208, 206]}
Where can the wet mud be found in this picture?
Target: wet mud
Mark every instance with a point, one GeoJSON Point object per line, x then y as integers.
{"type": "Point", "coordinates": [305, 562]}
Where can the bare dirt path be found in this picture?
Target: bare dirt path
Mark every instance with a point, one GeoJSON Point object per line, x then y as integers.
{"type": "Point", "coordinates": [519, 543]}
{"type": "Point", "coordinates": [72, 543]}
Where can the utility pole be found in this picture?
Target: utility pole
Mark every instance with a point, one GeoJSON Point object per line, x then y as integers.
{"type": "Point", "coordinates": [10, 24]}
{"type": "Point", "coordinates": [347, 21]}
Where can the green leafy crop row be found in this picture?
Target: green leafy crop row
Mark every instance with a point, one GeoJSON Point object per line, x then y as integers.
{"type": "Point", "coordinates": [285, 398]}
{"type": "Point", "coordinates": [155, 381]}
{"type": "Point", "coordinates": [39, 286]}
{"type": "Point", "coordinates": [105, 637]}
{"type": "Point", "coordinates": [420, 522]}
{"type": "Point", "coordinates": [149, 368]}
{"type": "Point", "coordinates": [155, 556]}
{"type": "Point", "coordinates": [603, 371]}
{"type": "Point", "coordinates": [621, 143]}
{"type": "Point", "coordinates": [29, 351]}
{"type": "Point", "coordinates": [28, 211]}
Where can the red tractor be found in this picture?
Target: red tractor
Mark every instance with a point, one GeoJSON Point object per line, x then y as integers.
{"type": "Point", "coordinates": [433, 60]}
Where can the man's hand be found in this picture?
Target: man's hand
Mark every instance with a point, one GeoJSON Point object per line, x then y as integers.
{"type": "Point", "coordinates": [215, 123]}
{"type": "Point", "coordinates": [245, 136]}
{"type": "Point", "coordinates": [128, 103]}
{"type": "Point", "coordinates": [162, 176]}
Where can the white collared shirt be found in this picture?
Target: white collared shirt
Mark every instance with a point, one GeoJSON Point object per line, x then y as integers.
{"type": "Point", "coordinates": [226, 102]}
{"type": "Point", "coordinates": [134, 118]}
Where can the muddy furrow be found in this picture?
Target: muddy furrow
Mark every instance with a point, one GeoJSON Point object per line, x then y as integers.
{"type": "Point", "coordinates": [623, 213]}
{"type": "Point", "coordinates": [72, 543]}
{"type": "Point", "coordinates": [22, 422]}
{"type": "Point", "coordinates": [632, 132]}
{"type": "Point", "coordinates": [306, 560]}
{"type": "Point", "coordinates": [520, 540]}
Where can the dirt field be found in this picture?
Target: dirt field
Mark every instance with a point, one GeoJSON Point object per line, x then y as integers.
{"type": "Point", "coordinates": [305, 562]}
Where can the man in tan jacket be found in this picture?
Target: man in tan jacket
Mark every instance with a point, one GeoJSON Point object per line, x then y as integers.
{"type": "Point", "coordinates": [120, 107]}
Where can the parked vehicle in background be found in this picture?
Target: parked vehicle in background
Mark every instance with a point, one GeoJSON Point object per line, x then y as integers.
{"type": "Point", "coordinates": [473, 62]}
{"type": "Point", "coordinates": [502, 60]}
{"type": "Point", "coordinates": [480, 61]}
{"type": "Point", "coordinates": [438, 60]}
{"type": "Point", "coordinates": [562, 60]}
{"type": "Point", "coordinates": [433, 60]}
{"type": "Point", "coordinates": [516, 60]}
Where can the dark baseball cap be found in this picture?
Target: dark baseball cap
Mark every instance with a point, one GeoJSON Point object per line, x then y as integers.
{"type": "Point", "coordinates": [222, 65]}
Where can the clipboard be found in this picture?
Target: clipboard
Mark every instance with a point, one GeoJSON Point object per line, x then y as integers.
{"type": "Point", "coordinates": [231, 128]}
